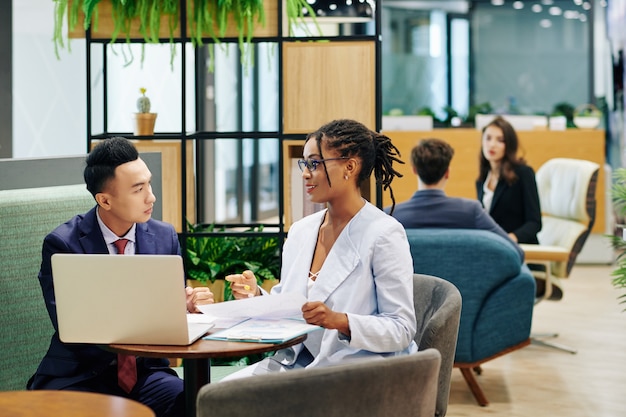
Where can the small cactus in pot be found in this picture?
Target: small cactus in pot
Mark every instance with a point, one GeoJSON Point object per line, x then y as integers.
{"type": "Point", "coordinates": [144, 120]}
{"type": "Point", "coordinates": [143, 102]}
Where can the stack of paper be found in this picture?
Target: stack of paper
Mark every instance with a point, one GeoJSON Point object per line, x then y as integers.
{"type": "Point", "coordinates": [264, 319]}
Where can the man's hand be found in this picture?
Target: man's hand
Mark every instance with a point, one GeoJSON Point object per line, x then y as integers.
{"type": "Point", "coordinates": [196, 296]}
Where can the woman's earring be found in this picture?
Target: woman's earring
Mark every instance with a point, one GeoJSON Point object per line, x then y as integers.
{"type": "Point", "coordinates": [345, 177]}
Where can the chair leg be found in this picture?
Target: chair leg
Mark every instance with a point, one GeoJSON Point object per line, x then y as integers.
{"type": "Point", "coordinates": [537, 339]}
{"type": "Point", "coordinates": [474, 387]}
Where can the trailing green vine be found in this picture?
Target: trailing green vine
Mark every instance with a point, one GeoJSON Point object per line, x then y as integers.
{"type": "Point", "coordinates": [296, 16]}
{"type": "Point", "coordinates": [206, 18]}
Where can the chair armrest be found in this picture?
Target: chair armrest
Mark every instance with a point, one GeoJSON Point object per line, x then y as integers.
{"type": "Point", "coordinates": [544, 253]}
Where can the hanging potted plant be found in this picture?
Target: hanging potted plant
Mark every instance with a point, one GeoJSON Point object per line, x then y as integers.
{"type": "Point", "coordinates": [153, 20]}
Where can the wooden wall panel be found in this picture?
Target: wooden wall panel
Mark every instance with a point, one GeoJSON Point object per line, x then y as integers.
{"type": "Point", "coordinates": [324, 81]}
{"type": "Point", "coordinates": [536, 147]}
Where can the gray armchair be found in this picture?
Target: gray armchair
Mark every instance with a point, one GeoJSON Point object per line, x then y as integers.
{"type": "Point", "coordinates": [438, 310]}
{"type": "Point", "coordinates": [399, 386]}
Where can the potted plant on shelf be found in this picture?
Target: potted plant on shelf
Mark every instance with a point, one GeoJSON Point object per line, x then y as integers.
{"type": "Point", "coordinates": [209, 257]}
{"type": "Point", "coordinates": [144, 119]}
{"type": "Point", "coordinates": [587, 116]}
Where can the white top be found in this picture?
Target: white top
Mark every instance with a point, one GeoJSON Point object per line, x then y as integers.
{"type": "Point", "coordinates": [487, 194]}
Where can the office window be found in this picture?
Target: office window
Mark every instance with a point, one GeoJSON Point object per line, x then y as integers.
{"type": "Point", "coordinates": [529, 56]}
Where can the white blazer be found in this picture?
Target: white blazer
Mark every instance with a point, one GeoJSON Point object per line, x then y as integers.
{"type": "Point", "coordinates": [368, 274]}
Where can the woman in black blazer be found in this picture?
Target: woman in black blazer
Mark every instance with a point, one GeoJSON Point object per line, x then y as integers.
{"type": "Point", "coordinates": [506, 185]}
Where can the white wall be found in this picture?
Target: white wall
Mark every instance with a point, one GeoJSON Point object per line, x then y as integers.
{"type": "Point", "coordinates": [48, 94]}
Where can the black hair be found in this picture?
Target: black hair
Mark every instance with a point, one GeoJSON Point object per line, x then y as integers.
{"type": "Point", "coordinates": [351, 138]}
{"type": "Point", "coordinates": [431, 159]}
{"type": "Point", "coordinates": [104, 158]}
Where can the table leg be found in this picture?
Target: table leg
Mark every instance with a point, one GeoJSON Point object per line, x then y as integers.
{"type": "Point", "coordinates": [197, 373]}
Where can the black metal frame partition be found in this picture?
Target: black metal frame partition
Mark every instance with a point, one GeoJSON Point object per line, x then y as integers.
{"type": "Point", "coordinates": [200, 136]}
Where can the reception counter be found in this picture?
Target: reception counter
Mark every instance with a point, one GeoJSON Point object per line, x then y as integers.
{"type": "Point", "coordinates": [536, 146]}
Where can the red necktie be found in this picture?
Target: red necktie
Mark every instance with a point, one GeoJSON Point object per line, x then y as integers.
{"type": "Point", "coordinates": [126, 364]}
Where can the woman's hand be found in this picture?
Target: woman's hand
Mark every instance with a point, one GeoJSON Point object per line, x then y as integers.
{"type": "Point", "coordinates": [243, 285]}
{"type": "Point", "coordinates": [196, 296]}
{"type": "Point", "coordinates": [318, 314]}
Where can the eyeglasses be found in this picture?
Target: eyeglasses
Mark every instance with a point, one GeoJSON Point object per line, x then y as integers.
{"type": "Point", "coordinates": [311, 164]}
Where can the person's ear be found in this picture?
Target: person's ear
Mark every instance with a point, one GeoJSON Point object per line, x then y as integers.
{"type": "Point", "coordinates": [351, 167]}
{"type": "Point", "coordinates": [104, 200]}
{"type": "Point", "coordinates": [447, 174]}
{"type": "Point", "coordinates": [414, 169]}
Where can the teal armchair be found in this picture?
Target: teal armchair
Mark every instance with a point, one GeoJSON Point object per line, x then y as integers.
{"type": "Point", "coordinates": [498, 293]}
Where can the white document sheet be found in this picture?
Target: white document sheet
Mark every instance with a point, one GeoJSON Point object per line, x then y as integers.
{"type": "Point", "coordinates": [279, 306]}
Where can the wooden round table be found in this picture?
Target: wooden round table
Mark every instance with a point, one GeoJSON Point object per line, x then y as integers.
{"type": "Point", "coordinates": [69, 404]}
{"type": "Point", "coordinates": [197, 359]}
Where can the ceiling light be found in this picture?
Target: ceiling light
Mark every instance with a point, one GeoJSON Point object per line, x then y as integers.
{"type": "Point", "coordinates": [536, 8]}
{"type": "Point", "coordinates": [518, 5]}
{"type": "Point", "coordinates": [555, 11]}
{"type": "Point", "coordinates": [545, 23]}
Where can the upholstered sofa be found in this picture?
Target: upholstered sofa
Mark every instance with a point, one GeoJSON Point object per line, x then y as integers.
{"type": "Point", "coordinates": [498, 293]}
{"type": "Point", "coordinates": [26, 216]}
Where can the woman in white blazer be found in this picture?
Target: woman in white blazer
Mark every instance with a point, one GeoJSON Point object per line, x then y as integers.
{"type": "Point", "coordinates": [351, 261]}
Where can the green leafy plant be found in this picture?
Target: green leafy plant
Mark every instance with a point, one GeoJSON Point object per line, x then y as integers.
{"type": "Point", "coordinates": [206, 18]}
{"type": "Point", "coordinates": [618, 194]}
{"type": "Point", "coordinates": [209, 256]}
{"type": "Point", "coordinates": [564, 109]}
{"type": "Point", "coordinates": [480, 108]}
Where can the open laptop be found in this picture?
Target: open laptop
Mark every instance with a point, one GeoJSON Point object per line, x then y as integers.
{"type": "Point", "coordinates": [134, 299]}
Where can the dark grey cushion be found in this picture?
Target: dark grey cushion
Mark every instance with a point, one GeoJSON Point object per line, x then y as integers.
{"type": "Point", "coordinates": [438, 310]}
{"type": "Point", "coordinates": [399, 386]}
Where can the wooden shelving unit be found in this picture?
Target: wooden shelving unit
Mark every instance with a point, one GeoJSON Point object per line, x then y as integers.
{"type": "Point", "coordinates": [320, 79]}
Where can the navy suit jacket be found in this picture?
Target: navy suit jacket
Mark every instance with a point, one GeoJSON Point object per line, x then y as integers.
{"type": "Point", "coordinates": [431, 208]}
{"type": "Point", "coordinates": [515, 207]}
{"type": "Point", "coordinates": [69, 364]}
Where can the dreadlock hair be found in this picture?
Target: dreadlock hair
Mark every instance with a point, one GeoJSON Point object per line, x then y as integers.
{"type": "Point", "coordinates": [353, 139]}
{"type": "Point", "coordinates": [104, 158]}
{"type": "Point", "coordinates": [510, 160]}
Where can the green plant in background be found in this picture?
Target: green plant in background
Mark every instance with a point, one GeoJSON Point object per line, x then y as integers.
{"type": "Point", "coordinates": [425, 111]}
{"type": "Point", "coordinates": [211, 257]}
{"type": "Point", "coordinates": [564, 109]}
{"type": "Point", "coordinates": [450, 114]}
{"type": "Point", "coordinates": [480, 108]}
{"type": "Point", "coordinates": [207, 19]}
{"type": "Point", "coordinates": [296, 17]}
{"type": "Point", "coordinates": [618, 194]}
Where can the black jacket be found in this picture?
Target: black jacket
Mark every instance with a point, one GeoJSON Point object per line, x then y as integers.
{"type": "Point", "coordinates": [516, 207]}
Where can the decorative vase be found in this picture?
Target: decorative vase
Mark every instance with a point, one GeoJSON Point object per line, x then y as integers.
{"type": "Point", "coordinates": [144, 124]}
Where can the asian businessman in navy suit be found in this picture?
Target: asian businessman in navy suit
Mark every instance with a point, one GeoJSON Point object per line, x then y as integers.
{"type": "Point", "coordinates": [120, 183]}
{"type": "Point", "coordinates": [429, 207]}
